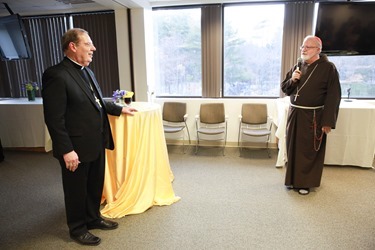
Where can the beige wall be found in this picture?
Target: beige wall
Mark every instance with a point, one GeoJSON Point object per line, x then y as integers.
{"type": "Point", "coordinates": [123, 51]}
{"type": "Point", "coordinates": [232, 110]}
{"type": "Point", "coordinates": [141, 36]}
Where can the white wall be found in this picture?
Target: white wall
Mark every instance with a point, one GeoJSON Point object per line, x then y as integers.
{"type": "Point", "coordinates": [141, 35]}
{"type": "Point", "coordinates": [142, 52]}
{"type": "Point", "coordinates": [232, 110]}
{"type": "Point", "coordinates": [123, 51]}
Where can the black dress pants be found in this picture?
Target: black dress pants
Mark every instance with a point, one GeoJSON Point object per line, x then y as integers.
{"type": "Point", "coordinates": [82, 193]}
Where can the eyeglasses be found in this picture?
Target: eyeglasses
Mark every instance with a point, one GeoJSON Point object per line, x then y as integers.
{"type": "Point", "coordinates": [88, 44]}
{"type": "Point", "coordinates": [307, 47]}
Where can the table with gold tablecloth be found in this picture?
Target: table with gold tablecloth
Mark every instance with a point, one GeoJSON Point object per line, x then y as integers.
{"type": "Point", "coordinates": [138, 173]}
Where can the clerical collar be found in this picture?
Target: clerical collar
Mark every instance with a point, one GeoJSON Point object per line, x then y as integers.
{"type": "Point", "coordinates": [77, 65]}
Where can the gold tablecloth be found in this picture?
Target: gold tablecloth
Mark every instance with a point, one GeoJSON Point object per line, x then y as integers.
{"type": "Point", "coordinates": [138, 173]}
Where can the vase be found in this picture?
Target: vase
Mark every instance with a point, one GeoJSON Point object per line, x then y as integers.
{"type": "Point", "coordinates": [120, 101]}
{"type": "Point", "coordinates": [31, 95]}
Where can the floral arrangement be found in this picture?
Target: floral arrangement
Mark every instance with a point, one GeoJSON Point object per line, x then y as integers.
{"type": "Point", "coordinates": [120, 95]}
{"type": "Point", "coordinates": [30, 86]}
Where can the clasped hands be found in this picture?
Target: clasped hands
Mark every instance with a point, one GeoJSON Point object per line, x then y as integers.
{"type": "Point", "coordinates": [71, 161]}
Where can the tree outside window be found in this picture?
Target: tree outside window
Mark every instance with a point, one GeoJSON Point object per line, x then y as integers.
{"type": "Point", "coordinates": [178, 60]}
{"type": "Point", "coordinates": [252, 50]}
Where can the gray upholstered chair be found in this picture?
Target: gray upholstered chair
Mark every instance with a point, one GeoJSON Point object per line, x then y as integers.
{"type": "Point", "coordinates": [174, 120]}
{"type": "Point", "coordinates": [255, 124]}
{"type": "Point", "coordinates": [211, 124]}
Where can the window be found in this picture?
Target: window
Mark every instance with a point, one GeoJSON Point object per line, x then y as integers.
{"type": "Point", "coordinates": [252, 50]}
{"type": "Point", "coordinates": [178, 60]}
{"type": "Point", "coordinates": [357, 75]}
{"type": "Point", "coordinates": [252, 53]}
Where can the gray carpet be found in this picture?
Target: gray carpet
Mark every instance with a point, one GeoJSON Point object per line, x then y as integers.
{"type": "Point", "coordinates": [227, 202]}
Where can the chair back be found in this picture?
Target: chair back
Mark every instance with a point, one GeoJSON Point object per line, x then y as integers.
{"type": "Point", "coordinates": [254, 113]}
{"type": "Point", "coordinates": [174, 111]}
{"type": "Point", "coordinates": [212, 113]}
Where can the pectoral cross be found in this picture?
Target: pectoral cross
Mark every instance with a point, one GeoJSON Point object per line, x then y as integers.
{"type": "Point", "coordinates": [98, 101]}
{"type": "Point", "coordinates": [296, 96]}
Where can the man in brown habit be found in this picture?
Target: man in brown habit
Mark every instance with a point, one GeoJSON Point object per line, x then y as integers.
{"type": "Point", "coordinates": [315, 94]}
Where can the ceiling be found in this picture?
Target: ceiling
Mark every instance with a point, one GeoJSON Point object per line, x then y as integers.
{"type": "Point", "coordinates": [38, 7]}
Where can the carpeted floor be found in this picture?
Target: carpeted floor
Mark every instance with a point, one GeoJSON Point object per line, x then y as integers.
{"type": "Point", "coordinates": [227, 202]}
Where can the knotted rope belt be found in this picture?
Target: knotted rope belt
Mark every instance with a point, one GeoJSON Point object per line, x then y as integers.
{"type": "Point", "coordinates": [316, 138]}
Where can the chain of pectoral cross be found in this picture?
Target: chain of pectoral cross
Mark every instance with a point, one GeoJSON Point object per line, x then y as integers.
{"type": "Point", "coordinates": [299, 89]}
{"type": "Point", "coordinates": [93, 92]}
{"type": "Point", "coordinates": [86, 76]}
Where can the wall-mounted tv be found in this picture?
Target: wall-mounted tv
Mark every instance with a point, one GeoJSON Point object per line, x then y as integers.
{"type": "Point", "coordinates": [13, 40]}
{"type": "Point", "coordinates": [346, 28]}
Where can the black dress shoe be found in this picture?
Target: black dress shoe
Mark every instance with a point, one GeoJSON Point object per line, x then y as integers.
{"type": "Point", "coordinates": [86, 239]}
{"type": "Point", "coordinates": [103, 224]}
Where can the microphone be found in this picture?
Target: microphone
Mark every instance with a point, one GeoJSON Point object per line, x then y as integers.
{"type": "Point", "coordinates": [299, 63]}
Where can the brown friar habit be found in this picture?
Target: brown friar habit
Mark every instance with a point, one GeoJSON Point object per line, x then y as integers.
{"type": "Point", "coordinates": [305, 157]}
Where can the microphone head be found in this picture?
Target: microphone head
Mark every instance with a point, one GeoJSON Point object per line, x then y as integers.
{"type": "Point", "coordinates": [299, 63]}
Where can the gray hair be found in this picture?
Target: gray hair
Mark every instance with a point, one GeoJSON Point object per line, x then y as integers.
{"type": "Point", "coordinates": [72, 35]}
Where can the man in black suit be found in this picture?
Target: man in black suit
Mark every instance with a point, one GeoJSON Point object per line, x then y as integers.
{"type": "Point", "coordinates": [76, 116]}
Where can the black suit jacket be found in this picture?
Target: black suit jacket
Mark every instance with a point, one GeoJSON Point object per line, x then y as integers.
{"type": "Point", "coordinates": [71, 114]}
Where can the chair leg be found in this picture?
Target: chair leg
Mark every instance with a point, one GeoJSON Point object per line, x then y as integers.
{"type": "Point", "coordinates": [240, 138]}
{"type": "Point", "coordinates": [188, 133]}
{"type": "Point", "coordinates": [196, 146]}
{"type": "Point", "coordinates": [240, 147]}
{"type": "Point", "coordinates": [183, 145]}
{"type": "Point", "coordinates": [225, 141]}
{"type": "Point", "coordinates": [187, 129]}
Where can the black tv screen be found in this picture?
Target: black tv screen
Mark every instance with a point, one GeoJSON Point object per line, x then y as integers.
{"type": "Point", "coordinates": [346, 28]}
{"type": "Point", "coordinates": [13, 40]}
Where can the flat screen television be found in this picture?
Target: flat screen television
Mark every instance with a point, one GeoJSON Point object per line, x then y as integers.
{"type": "Point", "coordinates": [346, 28]}
{"type": "Point", "coordinates": [13, 40]}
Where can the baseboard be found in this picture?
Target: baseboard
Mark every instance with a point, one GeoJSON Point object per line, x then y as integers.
{"type": "Point", "coordinates": [220, 143]}
{"type": "Point", "coordinates": [36, 149]}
